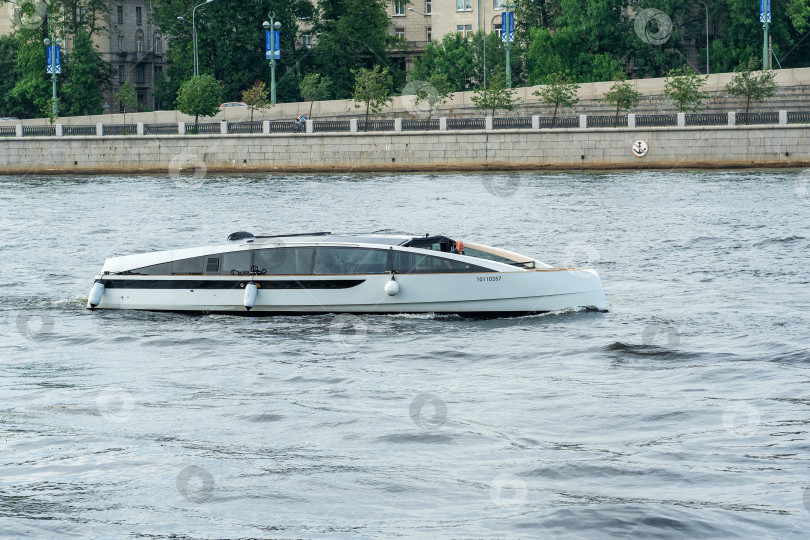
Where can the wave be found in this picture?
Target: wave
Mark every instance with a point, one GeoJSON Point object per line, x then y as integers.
{"type": "Point", "coordinates": [649, 350]}
{"type": "Point", "coordinates": [780, 240]}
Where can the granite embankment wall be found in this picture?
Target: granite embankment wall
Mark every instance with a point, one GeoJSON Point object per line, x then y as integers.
{"type": "Point", "coordinates": [793, 94]}
{"type": "Point", "coordinates": [592, 148]}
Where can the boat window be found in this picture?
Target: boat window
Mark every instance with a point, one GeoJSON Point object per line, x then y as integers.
{"type": "Point", "coordinates": [415, 263]}
{"type": "Point", "coordinates": [212, 264]}
{"type": "Point", "coordinates": [339, 260]}
{"type": "Point", "coordinates": [236, 262]}
{"type": "Point", "coordinates": [162, 269]}
{"type": "Point", "coordinates": [287, 261]}
{"type": "Point", "coordinates": [193, 265]}
{"type": "Point", "coordinates": [470, 252]}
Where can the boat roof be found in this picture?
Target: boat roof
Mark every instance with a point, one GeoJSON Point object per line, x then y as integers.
{"type": "Point", "coordinates": [386, 239]}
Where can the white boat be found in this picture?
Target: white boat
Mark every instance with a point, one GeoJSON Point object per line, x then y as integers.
{"type": "Point", "coordinates": [330, 273]}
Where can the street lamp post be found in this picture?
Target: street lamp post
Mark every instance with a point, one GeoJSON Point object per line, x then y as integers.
{"type": "Point", "coordinates": [194, 32]}
{"type": "Point", "coordinates": [707, 35]}
{"type": "Point", "coordinates": [509, 6]}
{"type": "Point", "coordinates": [272, 26]}
{"type": "Point", "coordinates": [52, 43]}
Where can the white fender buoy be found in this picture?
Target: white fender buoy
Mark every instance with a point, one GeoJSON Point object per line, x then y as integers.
{"type": "Point", "coordinates": [95, 294]}
{"type": "Point", "coordinates": [250, 295]}
{"type": "Point", "coordinates": [392, 287]}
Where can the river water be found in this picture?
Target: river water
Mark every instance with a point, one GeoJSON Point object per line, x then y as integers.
{"type": "Point", "coordinates": [681, 413]}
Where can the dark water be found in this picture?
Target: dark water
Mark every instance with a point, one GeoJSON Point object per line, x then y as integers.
{"type": "Point", "coordinates": [681, 413]}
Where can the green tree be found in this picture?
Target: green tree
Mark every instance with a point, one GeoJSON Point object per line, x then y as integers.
{"type": "Point", "coordinates": [559, 93]}
{"type": "Point", "coordinates": [352, 34]}
{"type": "Point", "coordinates": [496, 96]}
{"type": "Point", "coordinates": [126, 98]}
{"type": "Point", "coordinates": [372, 87]}
{"type": "Point", "coordinates": [461, 60]}
{"type": "Point", "coordinates": [32, 85]}
{"type": "Point", "coordinates": [314, 88]}
{"type": "Point", "coordinates": [434, 92]}
{"type": "Point", "coordinates": [200, 96]}
{"type": "Point", "coordinates": [562, 52]}
{"type": "Point", "coordinates": [8, 52]}
{"type": "Point", "coordinates": [230, 43]}
{"type": "Point", "coordinates": [683, 87]}
{"type": "Point", "coordinates": [255, 97]}
{"type": "Point", "coordinates": [750, 84]}
{"type": "Point", "coordinates": [622, 95]}
{"type": "Point", "coordinates": [530, 14]}
{"type": "Point", "coordinates": [88, 77]}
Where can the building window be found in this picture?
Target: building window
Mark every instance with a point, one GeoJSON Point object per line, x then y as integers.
{"type": "Point", "coordinates": [428, 7]}
{"type": "Point", "coordinates": [120, 44]}
{"type": "Point", "coordinates": [139, 44]}
{"type": "Point", "coordinates": [141, 101]}
{"type": "Point", "coordinates": [399, 7]}
{"type": "Point", "coordinates": [497, 4]}
{"type": "Point", "coordinates": [137, 15]}
{"type": "Point", "coordinates": [120, 14]}
{"type": "Point", "coordinates": [464, 29]}
{"type": "Point", "coordinates": [429, 33]}
{"type": "Point", "coordinates": [121, 74]}
{"type": "Point", "coordinates": [306, 41]}
{"type": "Point", "coordinates": [463, 5]}
{"type": "Point", "coordinates": [158, 45]}
{"type": "Point", "coordinates": [81, 13]}
{"type": "Point", "coordinates": [140, 74]}
{"type": "Point", "coordinates": [400, 32]}
{"type": "Point", "coordinates": [498, 29]}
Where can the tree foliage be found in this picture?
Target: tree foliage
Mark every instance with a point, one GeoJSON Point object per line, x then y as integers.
{"type": "Point", "coordinates": [622, 95]}
{"type": "Point", "coordinates": [126, 98]}
{"type": "Point", "coordinates": [751, 84]}
{"type": "Point", "coordinates": [372, 87]}
{"type": "Point", "coordinates": [496, 96]}
{"type": "Point", "coordinates": [352, 35]}
{"type": "Point", "coordinates": [434, 91]}
{"type": "Point", "coordinates": [255, 98]}
{"type": "Point", "coordinates": [200, 96]}
{"type": "Point", "coordinates": [461, 60]}
{"type": "Point", "coordinates": [683, 87]}
{"type": "Point", "coordinates": [32, 85]}
{"type": "Point", "coordinates": [559, 93]}
{"type": "Point", "coordinates": [315, 87]}
{"type": "Point", "coordinates": [230, 44]}
{"type": "Point", "coordinates": [87, 79]}
{"type": "Point", "coordinates": [8, 51]}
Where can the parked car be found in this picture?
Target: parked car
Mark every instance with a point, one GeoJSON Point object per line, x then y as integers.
{"type": "Point", "coordinates": [231, 104]}
{"type": "Point", "coordinates": [8, 119]}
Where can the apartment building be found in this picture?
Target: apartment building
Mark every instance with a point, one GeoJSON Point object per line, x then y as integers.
{"type": "Point", "coordinates": [128, 40]}
{"type": "Point", "coordinates": [424, 20]}
{"type": "Point", "coordinates": [136, 48]}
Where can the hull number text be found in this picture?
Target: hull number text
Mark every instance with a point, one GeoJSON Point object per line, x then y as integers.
{"type": "Point", "coordinates": [489, 278]}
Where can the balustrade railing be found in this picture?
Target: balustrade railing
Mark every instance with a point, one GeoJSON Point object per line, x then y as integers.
{"type": "Point", "coordinates": [412, 124]}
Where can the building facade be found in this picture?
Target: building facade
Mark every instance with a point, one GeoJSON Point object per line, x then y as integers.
{"type": "Point", "coordinates": [136, 49]}
{"type": "Point", "coordinates": [127, 39]}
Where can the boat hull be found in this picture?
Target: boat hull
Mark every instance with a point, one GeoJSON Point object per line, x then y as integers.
{"type": "Point", "coordinates": [518, 292]}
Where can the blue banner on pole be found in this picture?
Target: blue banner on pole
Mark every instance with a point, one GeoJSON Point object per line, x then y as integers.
{"type": "Point", "coordinates": [276, 44]}
{"type": "Point", "coordinates": [507, 26]}
{"type": "Point", "coordinates": [764, 11]}
{"type": "Point", "coordinates": [50, 60]}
